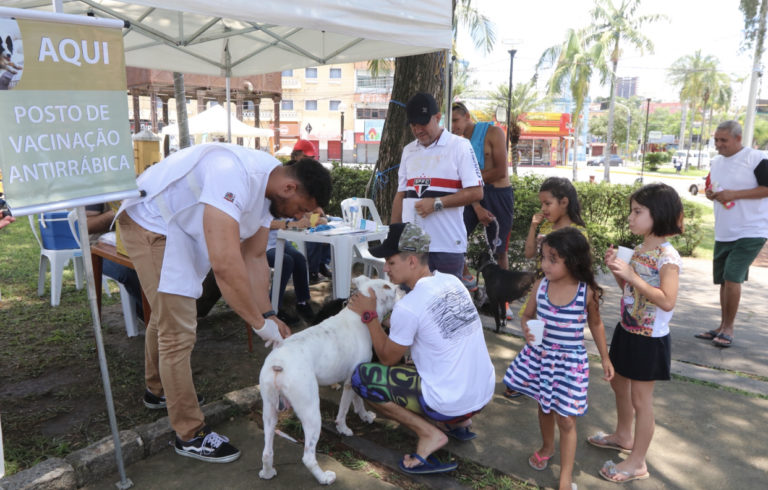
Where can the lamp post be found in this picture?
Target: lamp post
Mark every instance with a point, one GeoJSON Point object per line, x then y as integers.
{"type": "Point", "coordinates": [645, 137]}
{"type": "Point", "coordinates": [342, 108]}
{"type": "Point", "coordinates": [509, 95]}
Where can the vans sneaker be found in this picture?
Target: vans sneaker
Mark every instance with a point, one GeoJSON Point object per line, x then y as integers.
{"type": "Point", "coordinates": [154, 402]}
{"type": "Point", "coordinates": [208, 446]}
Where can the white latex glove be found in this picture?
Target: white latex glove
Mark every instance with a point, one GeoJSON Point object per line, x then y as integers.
{"type": "Point", "coordinates": [270, 333]}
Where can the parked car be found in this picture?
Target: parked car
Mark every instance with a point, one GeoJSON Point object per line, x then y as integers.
{"type": "Point", "coordinates": [698, 186]}
{"type": "Point", "coordinates": [615, 161]}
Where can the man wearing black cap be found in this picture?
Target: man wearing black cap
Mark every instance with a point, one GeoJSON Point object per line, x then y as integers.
{"type": "Point", "coordinates": [453, 378]}
{"type": "Point", "coordinates": [437, 177]}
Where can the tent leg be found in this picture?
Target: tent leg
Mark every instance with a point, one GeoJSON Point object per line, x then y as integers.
{"type": "Point", "coordinates": [82, 224]}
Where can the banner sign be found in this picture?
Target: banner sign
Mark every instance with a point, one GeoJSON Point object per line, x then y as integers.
{"type": "Point", "coordinates": [64, 128]}
{"type": "Point", "coordinates": [373, 129]}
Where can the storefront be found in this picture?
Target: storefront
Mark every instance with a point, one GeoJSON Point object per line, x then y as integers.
{"type": "Point", "coordinates": [545, 139]}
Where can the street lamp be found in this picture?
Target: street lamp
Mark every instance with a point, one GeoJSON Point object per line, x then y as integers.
{"type": "Point", "coordinates": [342, 108]}
{"type": "Point", "coordinates": [645, 137]}
{"type": "Point", "coordinates": [509, 95]}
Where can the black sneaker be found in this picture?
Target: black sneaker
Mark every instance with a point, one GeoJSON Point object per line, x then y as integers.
{"type": "Point", "coordinates": [324, 270]}
{"type": "Point", "coordinates": [208, 446]}
{"type": "Point", "coordinates": [154, 402]}
{"type": "Point", "coordinates": [305, 312]}
{"type": "Point", "coordinates": [315, 278]}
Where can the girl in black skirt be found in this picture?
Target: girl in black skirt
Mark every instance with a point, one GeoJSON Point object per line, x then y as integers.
{"type": "Point", "coordinates": [640, 348]}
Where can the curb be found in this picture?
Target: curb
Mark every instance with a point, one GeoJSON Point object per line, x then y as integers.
{"type": "Point", "coordinates": [97, 461]}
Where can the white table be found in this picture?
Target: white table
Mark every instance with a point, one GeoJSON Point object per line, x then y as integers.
{"type": "Point", "coordinates": [342, 252]}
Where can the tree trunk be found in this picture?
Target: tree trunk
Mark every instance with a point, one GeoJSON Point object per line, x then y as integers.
{"type": "Point", "coordinates": [611, 109]}
{"type": "Point", "coordinates": [420, 73]}
{"type": "Point", "coordinates": [575, 148]}
{"type": "Point", "coordinates": [749, 120]}
{"type": "Point", "coordinates": [683, 124]}
{"type": "Point", "coordinates": [181, 109]}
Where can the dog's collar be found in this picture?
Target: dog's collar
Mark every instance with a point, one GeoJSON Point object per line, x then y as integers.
{"type": "Point", "coordinates": [485, 265]}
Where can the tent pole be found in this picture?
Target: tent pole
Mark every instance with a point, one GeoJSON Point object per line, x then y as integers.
{"type": "Point", "coordinates": [448, 89]}
{"type": "Point", "coordinates": [82, 226]}
{"type": "Point", "coordinates": [228, 62]}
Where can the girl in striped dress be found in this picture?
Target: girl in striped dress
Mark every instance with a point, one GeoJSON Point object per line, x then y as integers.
{"type": "Point", "coordinates": [556, 372]}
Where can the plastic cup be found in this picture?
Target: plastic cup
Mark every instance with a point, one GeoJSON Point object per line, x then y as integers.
{"type": "Point", "coordinates": [625, 254]}
{"type": "Point", "coordinates": [536, 327]}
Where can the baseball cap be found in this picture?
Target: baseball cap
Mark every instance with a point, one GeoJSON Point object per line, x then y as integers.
{"type": "Point", "coordinates": [420, 108]}
{"type": "Point", "coordinates": [402, 237]}
{"type": "Point", "coordinates": [305, 147]}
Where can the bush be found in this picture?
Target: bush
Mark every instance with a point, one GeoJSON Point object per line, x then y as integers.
{"type": "Point", "coordinates": [346, 182]}
{"type": "Point", "coordinates": [654, 159]}
{"type": "Point", "coordinates": [604, 207]}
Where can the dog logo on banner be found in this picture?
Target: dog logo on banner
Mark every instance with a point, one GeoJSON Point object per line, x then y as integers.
{"type": "Point", "coordinates": [421, 185]}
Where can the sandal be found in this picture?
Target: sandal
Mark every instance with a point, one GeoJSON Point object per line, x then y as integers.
{"type": "Point", "coordinates": [708, 335]}
{"type": "Point", "coordinates": [538, 462]}
{"type": "Point", "coordinates": [722, 340]}
{"type": "Point", "coordinates": [609, 471]}
{"type": "Point", "coordinates": [511, 394]}
{"type": "Point", "coordinates": [600, 439]}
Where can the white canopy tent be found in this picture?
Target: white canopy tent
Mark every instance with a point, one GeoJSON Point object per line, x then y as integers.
{"type": "Point", "coordinates": [213, 122]}
{"type": "Point", "coordinates": [244, 37]}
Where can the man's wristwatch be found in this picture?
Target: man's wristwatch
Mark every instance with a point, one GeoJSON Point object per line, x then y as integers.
{"type": "Point", "coordinates": [268, 314]}
{"type": "Point", "coordinates": [438, 206]}
{"type": "Point", "coordinates": [368, 316]}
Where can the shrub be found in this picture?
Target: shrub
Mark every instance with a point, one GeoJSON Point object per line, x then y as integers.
{"type": "Point", "coordinates": [654, 159]}
{"type": "Point", "coordinates": [346, 182]}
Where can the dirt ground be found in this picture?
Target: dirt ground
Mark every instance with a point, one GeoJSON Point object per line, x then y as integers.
{"type": "Point", "coordinates": [56, 404]}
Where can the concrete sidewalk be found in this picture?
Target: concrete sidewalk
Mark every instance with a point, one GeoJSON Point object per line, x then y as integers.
{"type": "Point", "coordinates": [706, 437]}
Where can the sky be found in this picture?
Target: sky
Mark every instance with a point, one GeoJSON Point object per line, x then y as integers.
{"type": "Point", "coordinates": [715, 27]}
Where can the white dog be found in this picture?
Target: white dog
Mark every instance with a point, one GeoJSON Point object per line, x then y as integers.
{"type": "Point", "coordinates": [320, 356]}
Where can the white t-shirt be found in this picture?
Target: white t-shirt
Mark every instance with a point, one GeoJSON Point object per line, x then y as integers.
{"type": "Point", "coordinates": [442, 168]}
{"type": "Point", "coordinates": [438, 320]}
{"type": "Point", "coordinates": [748, 218]}
{"type": "Point", "coordinates": [229, 177]}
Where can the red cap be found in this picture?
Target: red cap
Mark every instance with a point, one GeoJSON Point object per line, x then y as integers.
{"type": "Point", "coordinates": [306, 147]}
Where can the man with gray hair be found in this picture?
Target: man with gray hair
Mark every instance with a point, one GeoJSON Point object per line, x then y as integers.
{"type": "Point", "coordinates": [738, 181]}
{"type": "Point", "coordinates": [453, 377]}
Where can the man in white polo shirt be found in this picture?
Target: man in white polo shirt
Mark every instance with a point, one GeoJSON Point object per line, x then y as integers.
{"type": "Point", "coordinates": [437, 177]}
{"type": "Point", "coordinates": [208, 207]}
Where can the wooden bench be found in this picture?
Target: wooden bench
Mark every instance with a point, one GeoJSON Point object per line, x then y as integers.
{"type": "Point", "coordinates": [101, 251]}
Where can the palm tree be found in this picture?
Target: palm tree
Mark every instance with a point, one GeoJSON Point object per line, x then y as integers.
{"type": "Point", "coordinates": [420, 73]}
{"type": "Point", "coordinates": [611, 26]}
{"type": "Point", "coordinates": [697, 77]}
{"type": "Point", "coordinates": [755, 14]}
{"type": "Point", "coordinates": [525, 98]}
{"type": "Point", "coordinates": [574, 63]}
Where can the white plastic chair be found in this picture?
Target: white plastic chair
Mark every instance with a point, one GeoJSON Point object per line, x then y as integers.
{"type": "Point", "coordinates": [355, 208]}
{"type": "Point", "coordinates": [57, 247]}
{"type": "Point", "coordinates": [129, 311]}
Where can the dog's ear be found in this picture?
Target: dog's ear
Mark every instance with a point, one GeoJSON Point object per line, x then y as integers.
{"type": "Point", "coordinates": [9, 43]}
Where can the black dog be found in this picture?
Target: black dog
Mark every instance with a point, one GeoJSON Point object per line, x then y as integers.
{"type": "Point", "coordinates": [502, 286]}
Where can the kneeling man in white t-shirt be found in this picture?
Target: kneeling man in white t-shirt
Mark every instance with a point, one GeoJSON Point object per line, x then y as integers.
{"type": "Point", "coordinates": [453, 377]}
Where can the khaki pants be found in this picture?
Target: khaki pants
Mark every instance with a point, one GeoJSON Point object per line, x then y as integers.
{"type": "Point", "coordinates": [171, 332]}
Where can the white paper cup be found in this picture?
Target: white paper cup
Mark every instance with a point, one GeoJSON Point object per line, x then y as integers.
{"type": "Point", "coordinates": [536, 327]}
{"type": "Point", "coordinates": [625, 254]}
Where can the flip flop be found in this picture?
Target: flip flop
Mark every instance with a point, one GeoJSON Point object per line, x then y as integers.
{"type": "Point", "coordinates": [609, 471]}
{"type": "Point", "coordinates": [543, 462]}
{"type": "Point", "coordinates": [727, 340]}
{"type": "Point", "coordinates": [511, 394]}
{"type": "Point", "coordinates": [429, 466]}
{"type": "Point", "coordinates": [459, 433]}
{"type": "Point", "coordinates": [600, 440]}
{"type": "Point", "coordinates": [708, 335]}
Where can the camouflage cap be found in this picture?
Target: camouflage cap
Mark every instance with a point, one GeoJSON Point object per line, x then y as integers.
{"type": "Point", "coordinates": [403, 237]}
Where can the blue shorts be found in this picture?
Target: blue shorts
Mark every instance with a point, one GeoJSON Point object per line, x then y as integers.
{"type": "Point", "coordinates": [447, 263]}
{"type": "Point", "coordinates": [500, 201]}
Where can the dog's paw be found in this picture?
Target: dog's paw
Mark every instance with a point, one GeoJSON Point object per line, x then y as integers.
{"type": "Point", "coordinates": [335, 386]}
{"type": "Point", "coordinates": [327, 478]}
{"type": "Point", "coordinates": [343, 429]}
{"type": "Point", "coordinates": [269, 474]}
{"type": "Point", "coordinates": [368, 417]}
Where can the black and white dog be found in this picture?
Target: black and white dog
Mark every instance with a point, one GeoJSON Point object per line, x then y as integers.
{"type": "Point", "coordinates": [502, 286]}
